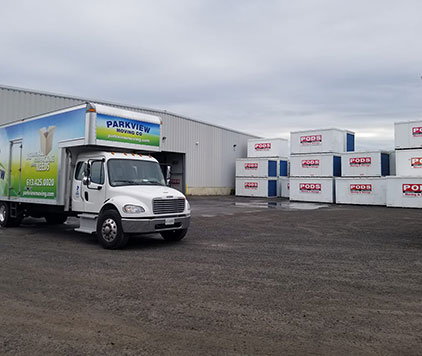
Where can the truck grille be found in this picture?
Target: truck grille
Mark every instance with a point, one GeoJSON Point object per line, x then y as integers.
{"type": "Point", "coordinates": [168, 206]}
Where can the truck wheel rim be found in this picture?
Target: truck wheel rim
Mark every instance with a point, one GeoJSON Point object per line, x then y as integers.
{"type": "Point", "coordinates": [109, 230]}
{"type": "Point", "coordinates": [2, 213]}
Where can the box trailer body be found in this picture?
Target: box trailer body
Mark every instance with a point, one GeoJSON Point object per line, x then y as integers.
{"type": "Point", "coordinates": [404, 192]}
{"type": "Point", "coordinates": [284, 187]}
{"type": "Point", "coordinates": [270, 147]}
{"type": "Point", "coordinates": [408, 134]}
{"type": "Point", "coordinates": [261, 167]}
{"type": "Point", "coordinates": [312, 189]}
{"type": "Point", "coordinates": [315, 165]}
{"type": "Point", "coordinates": [322, 141]}
{"type": "Point", "coordinates": [47, 164]}
{"type": "Point", "coordinates": [366, 164]}
{"type": "Point", "coordinates": [361, 190]}
{"type": "Point", "coordinates": [409, 163]}
{"type": "Point", "coordinates": [257, 187]}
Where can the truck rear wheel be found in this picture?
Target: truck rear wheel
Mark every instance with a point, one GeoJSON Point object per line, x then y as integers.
{"type": "Point", "coordinates": [109, 230]}
{"type": "Point", "coordinates": [5, 219]}
{"type": "Point", "coordinates": [174, 235]}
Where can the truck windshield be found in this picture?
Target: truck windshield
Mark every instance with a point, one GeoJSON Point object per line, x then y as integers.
{"type": "Point", "coordinates": [134, 172]}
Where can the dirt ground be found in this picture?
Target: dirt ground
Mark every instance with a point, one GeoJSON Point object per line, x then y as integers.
{"type": "Point", "coordinates": [250, 278]}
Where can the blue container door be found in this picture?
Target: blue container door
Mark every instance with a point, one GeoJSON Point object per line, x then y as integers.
{"type": "Point", "coordinates": [336, 166]}
{"type": "Point", "coordinates": [350, 142]}
{"type": "Point", "coordinates": [272, 188]}
{"type": "Point", "coordinates": [272, 168]}
{"type": "Point", "coordinates": [385, 164]}
{"type": "Point", "coordinates": [283, 168]}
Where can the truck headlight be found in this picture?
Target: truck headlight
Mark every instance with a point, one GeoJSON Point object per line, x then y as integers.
{"type": "Point", "coordinates": [187, 205]}
{"type": "Point", "coordinates": [133, 209]}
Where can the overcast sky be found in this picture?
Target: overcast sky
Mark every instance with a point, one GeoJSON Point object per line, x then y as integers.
{"type": "Point", "coordinates": [264, 67]}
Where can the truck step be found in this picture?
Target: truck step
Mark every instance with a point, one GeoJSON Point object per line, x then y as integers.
{"type": "Point", "coordinates": [87, 223]}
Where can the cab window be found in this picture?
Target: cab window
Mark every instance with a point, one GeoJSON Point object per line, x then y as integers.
{"type": "Point", "coordinates": [79, 171]}
{"type": "Point", "coordinates": [97, 172]}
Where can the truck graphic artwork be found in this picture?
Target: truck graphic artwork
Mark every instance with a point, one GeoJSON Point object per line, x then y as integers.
{"type": "Point", "coordinates": [310, 187]}
{"type": "Point", "coordinates": [412, 190]}
{"type": "Point", "coordinates": [416, 162]}
{"type": "Point", "coordinates": [46, 139]}
{"type": "Point", "coordinates": [310, 163]}
{"type": "Point", "coordinates": [311, 140]}
{"type": "Point", "coordinates": [361, 188]}
{"type": "Point", "coordinates": [360, 161]}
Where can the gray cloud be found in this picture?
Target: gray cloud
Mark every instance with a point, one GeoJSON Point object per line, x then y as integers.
{"type": "Point", "coordinates": [262, 67]}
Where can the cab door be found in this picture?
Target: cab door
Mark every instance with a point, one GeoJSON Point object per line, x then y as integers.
{"type": "Point", "coordinates": [94, 193]}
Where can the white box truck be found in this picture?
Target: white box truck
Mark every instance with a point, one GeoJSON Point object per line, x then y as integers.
{"type": "Point", "coordinates": [322, 141]}
{"type": "Point", "coordinates": [90, 161]}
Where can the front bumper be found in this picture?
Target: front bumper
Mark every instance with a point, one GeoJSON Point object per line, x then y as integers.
{"type": "Point", "coordinates": [143, 226]}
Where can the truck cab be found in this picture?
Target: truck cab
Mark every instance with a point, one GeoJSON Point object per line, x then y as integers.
{"type": "Point", "coordinates": [117, 194]}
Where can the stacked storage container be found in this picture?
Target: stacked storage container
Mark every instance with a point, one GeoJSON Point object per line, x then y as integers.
{"type": "Point", "coordinates": [315, 161]}
{"type": "Point", "coordinates": [405, 189]}
{"type": "Point", "coordinates": [363, 178]}
{"type": "Point", "coordinates": [259, 174]}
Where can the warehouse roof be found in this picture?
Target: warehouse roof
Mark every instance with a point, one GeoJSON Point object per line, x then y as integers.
{"type": "Point", "coordinates": [132, 107]}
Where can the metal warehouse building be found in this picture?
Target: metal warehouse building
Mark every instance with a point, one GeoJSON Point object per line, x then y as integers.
{"type": "Point", "coordinates": [202, 155]}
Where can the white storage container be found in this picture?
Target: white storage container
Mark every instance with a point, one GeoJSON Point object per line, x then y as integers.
{"type": "Point", "coordinates": [322, 141]}
{"type": "Point", "coordinates": [404, 192]}
{"type": "Point", "coordinates": [312, 189]}
{"type": "Point", "coordinates": [367, 164]}
{"type": "Point", "coordinates": [257, 187]}
{"type": "Point", "coordinates": [284, 187]}
{"type": "Point", "coordinates": [261, 167]}
{"type": "Point", "coordinates": [269, 147]}
{"type": "Point", "coordinates": [364, 191]}
{"type": "Point", "coordinates": [392, 163]}
{"type": "Point", "coordinates": [315, 165]}
{"type": "Point", "coordinates": [409, 163]}
{"type": "Point", "coordinates": [408, 134]}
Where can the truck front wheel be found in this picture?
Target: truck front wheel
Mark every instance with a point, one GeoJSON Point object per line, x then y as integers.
{"type": "Point", "coordinates": [174, 235]}
{"type": "Point", "coordinates": [109, 230]}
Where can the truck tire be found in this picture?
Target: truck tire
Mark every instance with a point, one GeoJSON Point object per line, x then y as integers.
{"type": "Point", "coordinates": [5, 219]}
{"type": "Point", "coordinates": [109, 230]}
{"type": "Point", "coordinates": [55, 219]}
{"type": "Point", "coordinates": [174, 235]}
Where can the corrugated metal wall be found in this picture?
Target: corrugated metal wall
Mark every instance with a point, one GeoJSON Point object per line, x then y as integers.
{"type": "Point", "coordinates": [210, 150]}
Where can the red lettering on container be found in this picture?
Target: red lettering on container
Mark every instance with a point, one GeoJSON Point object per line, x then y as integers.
{"type": "Point", "coordinates": [414, 190]}
{"type": "Point", "coordinates": [310, 187]}
{"type": "Point", "coordinates": [310, 163]}
{"type": "Point", "coordinates": [251, 185]}
{"type": "Point", "coordinates": [416, 162]}
{"type": "Point", "coordinates": [251, 165]}
{"type": "Point", "coordinates": [360, 161]}
{"type": "Point", "coordinates": [311, 140]}
{"type": "Point", "coordinates": [262, 146]}
{"type": "Point", "coordinates": [417, 131]}
{"type": "Point", "coordinates": [361, 188]}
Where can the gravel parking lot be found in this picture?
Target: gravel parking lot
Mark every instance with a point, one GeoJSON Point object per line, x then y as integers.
{"type": "Point", "coordinates": [252, 277]}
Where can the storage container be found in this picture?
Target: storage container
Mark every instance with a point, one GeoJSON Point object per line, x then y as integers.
{"type": "Point", "coordinates": [315, 165]}
{"type": "Point", "coordinates": [367, 164]}
{"type": "Point", "coordinates": [408, 134]}
{"type": "Point", "coordinates": [312, 189]}
{"type": "Point", "coordinates": [409, 163]}
{"type": "Point", "coordinates": [322, 141]}
{"type": "Point", "coordinates": [404, 192]}
{"type": "Point", "coordinates": [257, 187]}
{"type": "Point", "coordinates": [261, 167]}
{"type": "Point", "coordinates": [284, 187]}
{"type": "Point", "coordinates": [269, 147]}
{"type": "Point", "coordinates": [392, 162]}
{"type": "Point", "coordinates": [361, 190]}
